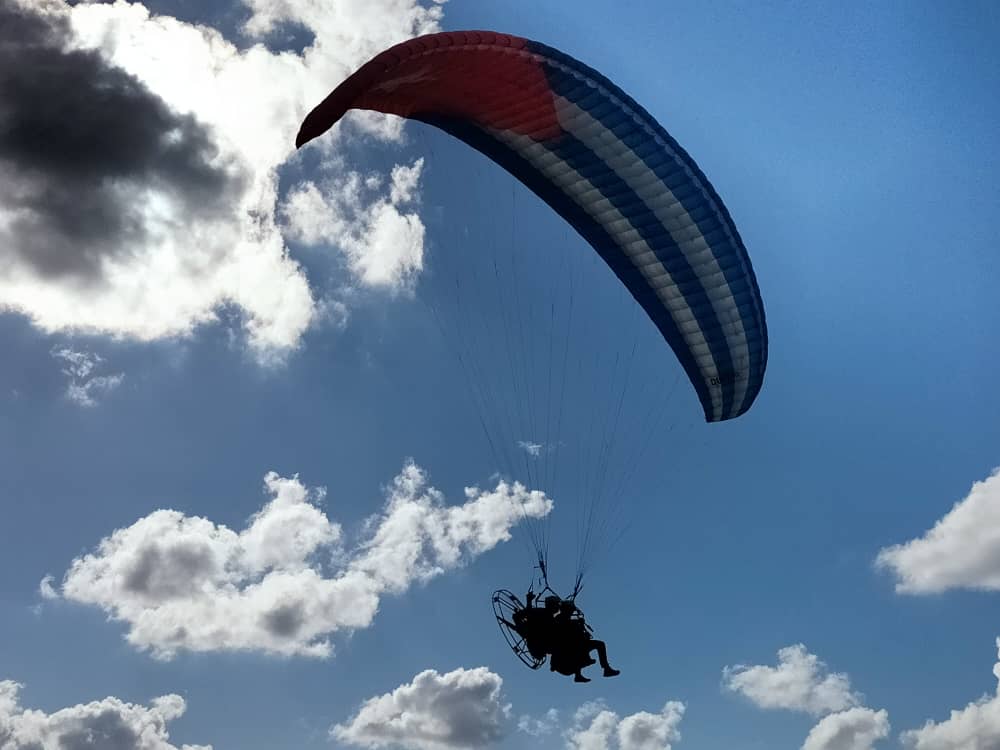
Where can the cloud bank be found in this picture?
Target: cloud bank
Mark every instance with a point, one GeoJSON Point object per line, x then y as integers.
{"type": "Point", "coordinates": [595, 727]}
{"type": "Point", "coordinates": [459, 709]}
{"type": "Point", "coordinates": [156, 208]}
{"type": "Point", "coordinates": [109, 724]}
{"type": "Point", "coordinates": [800, 682]}
{"type": "Point", "coordinates": [854, 729]}
{"type": "Point", "coordinates": [962, 551]}
{"type": "Point", "coordinates": [287, 581]}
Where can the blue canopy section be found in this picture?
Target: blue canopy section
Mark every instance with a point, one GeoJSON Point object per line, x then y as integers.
{"type": "Point", "coordinates": [695, 278]}
{"type": "Point", "coordinates": [639, 199]}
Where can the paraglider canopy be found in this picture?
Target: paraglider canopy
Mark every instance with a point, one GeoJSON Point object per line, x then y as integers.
{"type": "Point", "coordinates": [607, 167]}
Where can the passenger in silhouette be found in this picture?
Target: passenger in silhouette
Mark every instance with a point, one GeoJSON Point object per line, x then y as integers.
{"type": "Point", "coordinates": [559, 629]}
{"type": "Point", "coordinates": [572, 644]}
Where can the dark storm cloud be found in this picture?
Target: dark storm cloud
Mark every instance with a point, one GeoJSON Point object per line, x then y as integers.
{"type": "Point", "coordinates": [79, 141]}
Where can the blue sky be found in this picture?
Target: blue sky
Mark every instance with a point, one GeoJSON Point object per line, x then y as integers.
{"type": "Point", "coordinates": [857, 151]}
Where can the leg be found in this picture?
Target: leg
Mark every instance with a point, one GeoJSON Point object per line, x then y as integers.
{"type": "Point", "coordinates": [602, 654]}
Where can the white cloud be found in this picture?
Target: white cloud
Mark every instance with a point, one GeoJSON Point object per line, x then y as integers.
{"type": "Point", "coordinates": [539, 726]}
{"type": "Point", "coordinates": [109, 724]}
{"type": "Point", "coordinates": [383, 245]}
{"type": "Point", "coordinates": [646, 731]}
{"type": "Point", "coordinates": [800, 682]}
{"type": "Point", "coordinates": [333, 312]}
{"type": "Point", "coordinates": [854, 729]}
{"type": "Point", "coordinates": [46, 590]}
{"type": "Point", "coordinates": [961, 551]}
{"type": "Point", "coordinates": [975, 727]}
{"type": "Point", "coordinates": [85, 387]}
{"type": "Point", "coordinates": [340, 46]}
{"type": "Point", "coordinates": [532, 449]}
{"type": "Point", "coordinates": [459, 709]}
{"type": "Point", "coordinates": [286, 582]}
{"type": "Point", "coordinates": [78, 365]}
{"type": "Point", "coordinates": [595, 727]}
{"type": "Point", "coordinates": [165, 211]}
{"type": "Point", "coordinates": [85, 393]}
